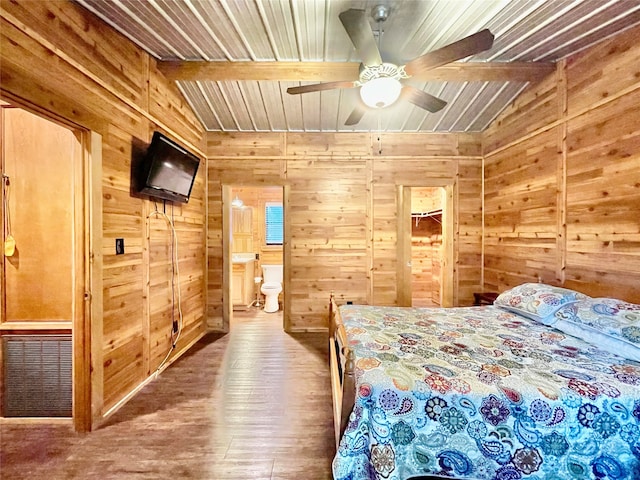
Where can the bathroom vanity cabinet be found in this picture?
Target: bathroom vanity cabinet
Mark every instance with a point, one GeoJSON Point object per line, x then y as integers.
{"type": "Point", "coordinates": [243, 284]}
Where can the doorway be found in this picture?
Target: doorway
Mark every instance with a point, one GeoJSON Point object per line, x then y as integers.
{"type": "Point", "coordinates": [254, 235]}
{"type": "Point", "coordinates": [425, 245]}
{"type": "Point", "coordinates": [46, 276]}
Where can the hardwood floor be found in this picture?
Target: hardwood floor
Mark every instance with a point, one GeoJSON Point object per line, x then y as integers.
{"type": "Point", "coordinates": [252, 404]}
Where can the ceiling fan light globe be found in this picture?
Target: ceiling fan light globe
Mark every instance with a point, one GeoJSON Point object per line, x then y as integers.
{"type": "Point", "coordinates": [380, 92]}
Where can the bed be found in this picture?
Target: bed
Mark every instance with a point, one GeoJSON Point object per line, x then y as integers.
{"type": "Point", "coordinates": [544, 384]}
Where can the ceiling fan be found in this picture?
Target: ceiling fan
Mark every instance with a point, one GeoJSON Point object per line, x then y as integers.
{"type": "Point", "coordinates": [379, 81]}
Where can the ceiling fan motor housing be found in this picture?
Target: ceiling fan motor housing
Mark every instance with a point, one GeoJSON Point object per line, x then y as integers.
{"type": "Point", "coordinates": [383, 70]}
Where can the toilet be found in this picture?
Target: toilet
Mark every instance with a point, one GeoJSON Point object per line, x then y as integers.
{"type": "Point", "coordinates": [271, 287]}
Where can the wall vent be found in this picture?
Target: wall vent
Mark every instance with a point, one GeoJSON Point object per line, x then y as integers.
{"type": "Point", "coordinates": [37, 375]}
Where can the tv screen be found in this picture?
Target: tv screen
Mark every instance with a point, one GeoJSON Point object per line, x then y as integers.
{"type": "Point", "coordinates": [169, 170]}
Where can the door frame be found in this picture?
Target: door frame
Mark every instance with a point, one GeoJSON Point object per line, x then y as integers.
{"type": "Point", "coordinates": [86, 324]}
{"type": "Point", "coordinates": [447, 272]}
{"type": "Point", "coordinates": [227, 264]}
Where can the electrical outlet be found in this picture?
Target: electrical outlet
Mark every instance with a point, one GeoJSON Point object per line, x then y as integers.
{"type": "Point", "coordinates": [257, 256]}
{"type": "Point", "coordinates": [119, 246]}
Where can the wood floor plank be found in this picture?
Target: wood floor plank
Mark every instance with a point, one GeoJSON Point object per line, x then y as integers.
{"type": "Point", "coordinates": [252, 404]}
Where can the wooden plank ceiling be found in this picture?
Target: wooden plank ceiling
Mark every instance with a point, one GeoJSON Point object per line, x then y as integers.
{"type": "Point", "coordinates": [233, 60]}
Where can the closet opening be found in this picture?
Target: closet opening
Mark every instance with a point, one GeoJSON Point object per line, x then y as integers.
{"type": "Point", "coordinates": [425, 245]}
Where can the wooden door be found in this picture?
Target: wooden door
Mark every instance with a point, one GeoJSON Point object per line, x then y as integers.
{"type": "Point", "coordinates": [39, 159]}
{"type": "Point", "coordinates": [46, 284]}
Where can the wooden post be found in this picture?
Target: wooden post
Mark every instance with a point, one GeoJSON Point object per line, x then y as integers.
{"type": "Point", "coordinates": [561, 198]}
{"type": "Point", "coordinates": [96, 366]}
{"type": "Point", "coordinates": [403, 258]}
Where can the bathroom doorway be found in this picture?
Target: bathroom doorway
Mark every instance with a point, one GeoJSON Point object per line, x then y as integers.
{"type": "Point", "coordinates": [255, 231]}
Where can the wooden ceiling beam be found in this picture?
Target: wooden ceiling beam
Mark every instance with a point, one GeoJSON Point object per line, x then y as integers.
{"type": "Point", "coordinates": [338, 71]}
{"type": "Point", "coordinates": [490, 71]}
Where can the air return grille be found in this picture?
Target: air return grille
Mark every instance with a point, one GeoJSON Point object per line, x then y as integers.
{"type": "Point", "coordinates": [37, 375]}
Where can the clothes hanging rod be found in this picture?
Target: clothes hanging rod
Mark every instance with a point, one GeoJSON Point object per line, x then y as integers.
{"type": "Point", "coordinates": [430, 213]}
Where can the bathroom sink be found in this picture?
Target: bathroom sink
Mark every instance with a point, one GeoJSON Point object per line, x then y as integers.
{"type": "Point", "coordinates": [242, 257]}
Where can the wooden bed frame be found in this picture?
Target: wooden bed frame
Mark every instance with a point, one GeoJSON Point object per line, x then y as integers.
{"type": "Point", "coordinates": [343, 385]}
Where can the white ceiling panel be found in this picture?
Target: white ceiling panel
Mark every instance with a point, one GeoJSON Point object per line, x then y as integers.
{"type": "Point", "coordinates": [220, 30]}
{"type": "Point", "coordinates": [200, 104]}
{"type": "Point", "coordinates": [271, 93]}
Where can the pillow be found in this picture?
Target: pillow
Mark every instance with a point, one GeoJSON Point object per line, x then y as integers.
{"type": "Point", "coordinates": [537, 301]}
{"type": "Point", "coordinates": [604, 322]}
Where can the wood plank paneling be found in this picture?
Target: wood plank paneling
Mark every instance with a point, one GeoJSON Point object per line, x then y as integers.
{"type": "Point", "coordinates": [326, 223]}
{"type": "Point", "coordinates": [603, 71]}
{"type": "Point", "coordinates": [342, 210]}
{"type": "Point", "coordinates": [424, 145]}
{"type": "Point", "coordinates": [167, 103]}
{"type": "Point", "coordinates": [239, 144]}
{"type": "Point", "coordinates": [426, 243]}
{"type": "Point", "coordinates": [321, 144]}
{"type": "Point", "coordinates": [596, 141]}
{"type": "Point", "coordinates": [533, 109]}
{"type": "Point", "coordinates": [117, 62]}
{"type": "Point", "coordinates": [59, 59]}
{"type": "Point", "coordinates": [603, 198]}
{"type": "Point", "coordinates": [468, 260]}
{"type": "Point", "coordinates": [426, 199]}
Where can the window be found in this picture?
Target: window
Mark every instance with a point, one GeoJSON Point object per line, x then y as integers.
{"type": "Point", "coordinates": [273, 223]}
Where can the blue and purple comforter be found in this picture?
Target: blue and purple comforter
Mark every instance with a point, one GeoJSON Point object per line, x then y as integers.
{"type": "Point", "coordinates": [482, 393]}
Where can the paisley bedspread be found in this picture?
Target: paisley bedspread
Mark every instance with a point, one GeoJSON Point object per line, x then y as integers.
{"type": "Point", "coordinates": [481, 393]}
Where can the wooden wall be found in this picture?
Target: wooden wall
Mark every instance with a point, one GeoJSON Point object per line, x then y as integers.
{"type": "Point", "coordinates": [60, 60]}
{"type": "Point", "coordinates": [341, 210]}
{"type": "Point", "coordinates": [426, 246]}
{"type": "Point", "coordinates": [562, 178]}
{"type": "Point", "coordinates": [427, 199]}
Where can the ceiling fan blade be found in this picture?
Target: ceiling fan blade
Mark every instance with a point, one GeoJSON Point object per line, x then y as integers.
{"type": "Point", "coordinates": [471, 45]}
{"type": "Point", "coordinates": [422, 99]}
{"type": "Point", "coordinates": [356, 115]}
{"type": "Point", "coordinates": [316, 87]}
{"type": "Point", "coordinates": [357, 26]}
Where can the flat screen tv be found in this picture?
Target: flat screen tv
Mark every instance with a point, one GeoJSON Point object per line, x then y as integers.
{"type": "Point", "coordinates": [168, 170]}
